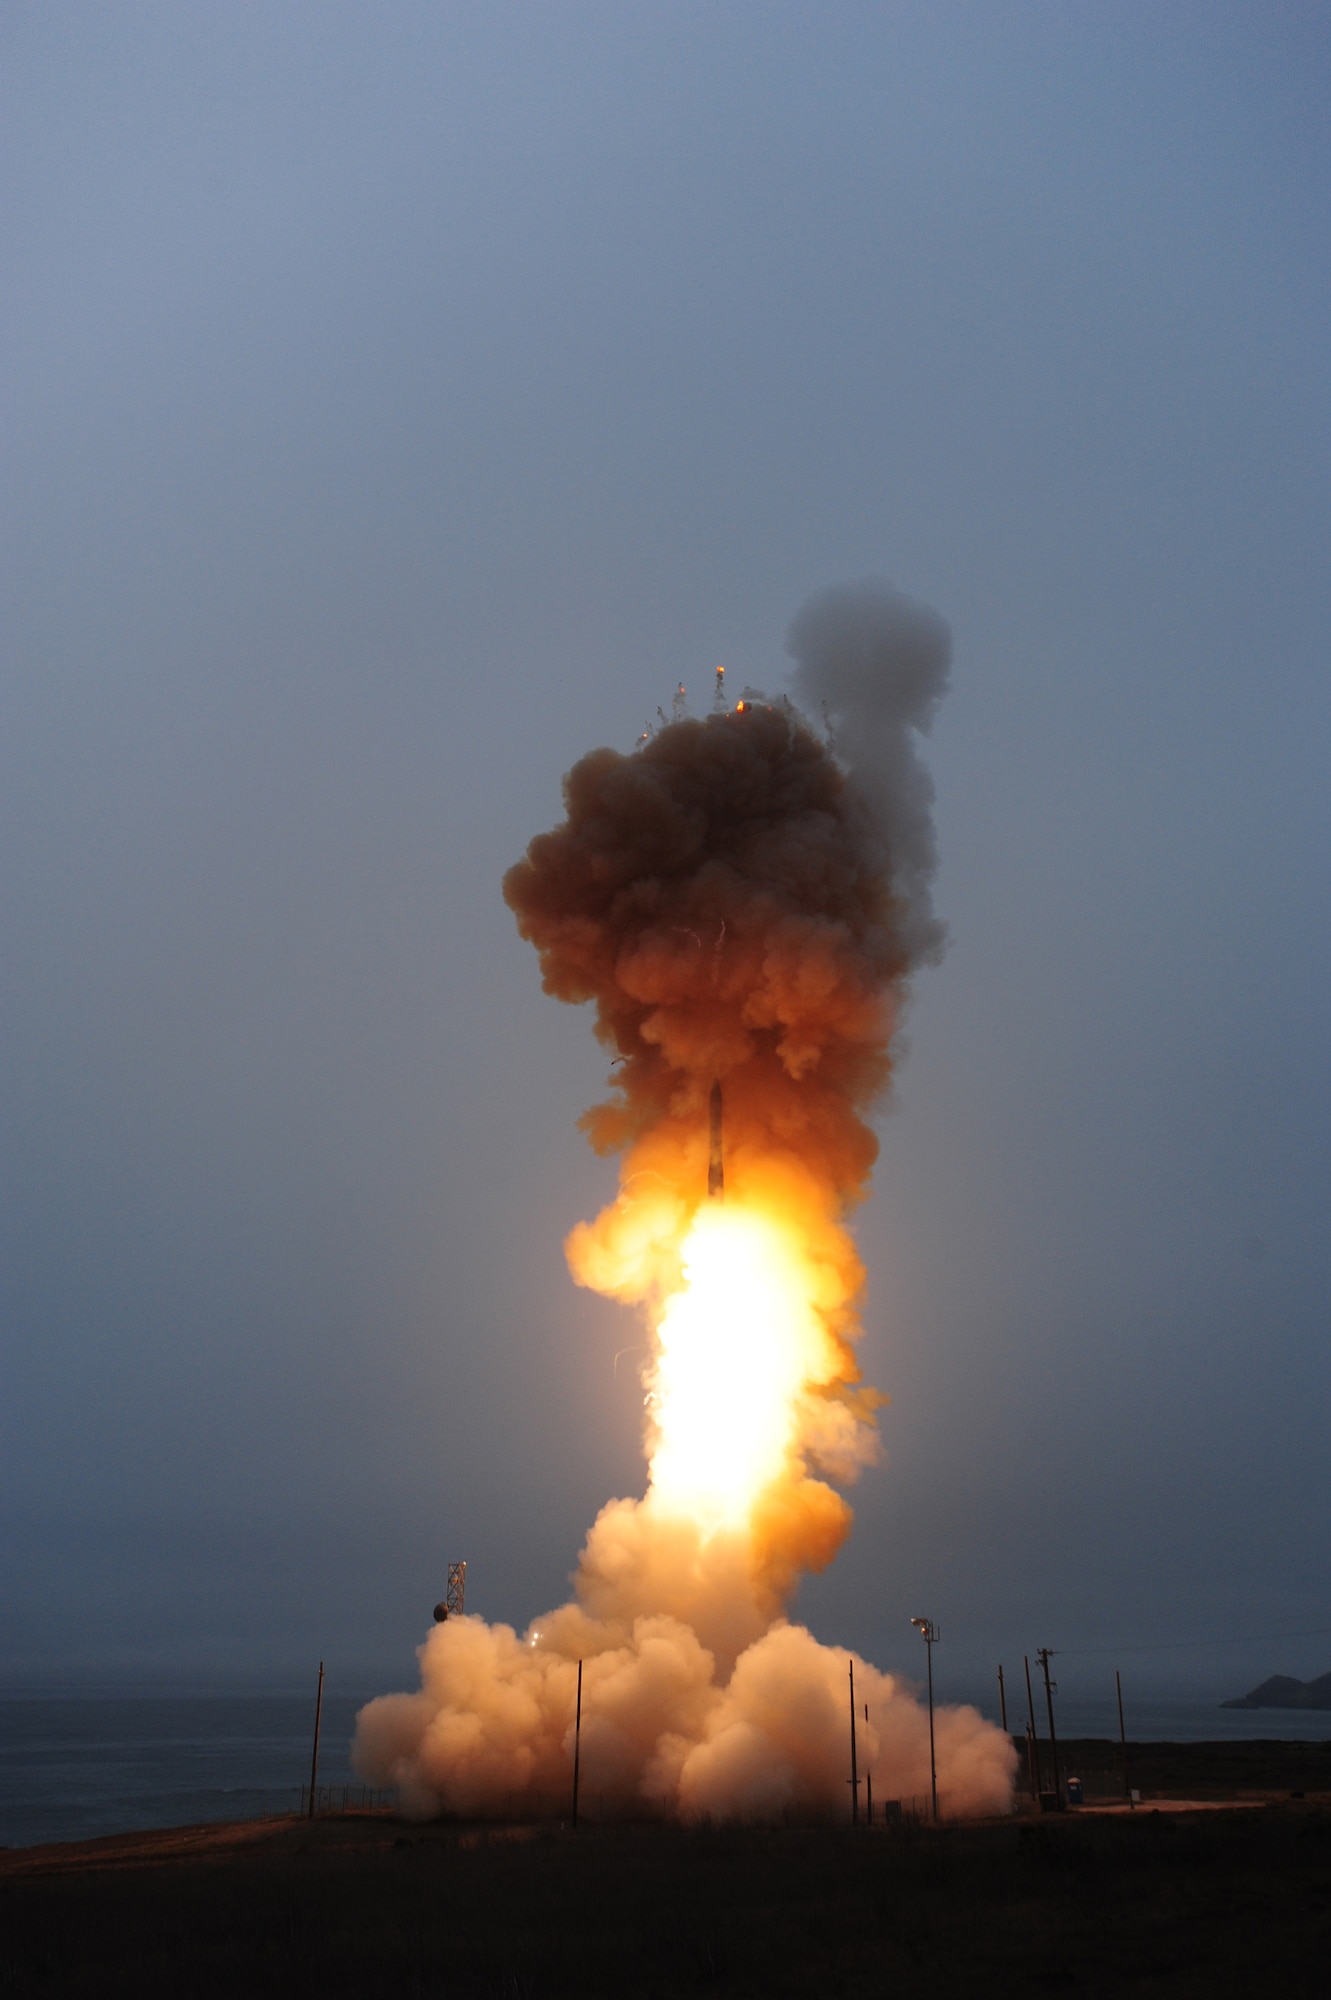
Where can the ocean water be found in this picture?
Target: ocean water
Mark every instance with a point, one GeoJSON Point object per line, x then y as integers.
{"type": "Point", "coordinates": [73, 1766]}
{"type": "Point", "coordinates": [1156, 1718]}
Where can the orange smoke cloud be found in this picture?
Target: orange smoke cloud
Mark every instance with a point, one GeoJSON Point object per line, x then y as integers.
{"type": "Point", "coordinates": [742, 905]}
{"type": "Point", "coordinates": [491, 1731]}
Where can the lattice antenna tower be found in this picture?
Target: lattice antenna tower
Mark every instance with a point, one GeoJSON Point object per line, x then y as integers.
{"type": "Point", "coordinates": [454, 1602]}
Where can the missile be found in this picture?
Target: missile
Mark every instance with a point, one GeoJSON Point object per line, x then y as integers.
{"type": "Point", "coordinates": [716, 1178]}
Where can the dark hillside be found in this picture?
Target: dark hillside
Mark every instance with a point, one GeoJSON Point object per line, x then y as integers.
{"type": "Point", "coordinates": [1234, 1902]}
{"type": "Point", "coordinates": [1280, 1691]}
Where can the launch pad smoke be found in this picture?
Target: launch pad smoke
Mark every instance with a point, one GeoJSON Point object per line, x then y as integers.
{"type": "Point", "coordinates": [743, 903]}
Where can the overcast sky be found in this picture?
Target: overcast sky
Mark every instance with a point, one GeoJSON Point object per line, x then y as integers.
{"type": "Point", "coordinates": [399, 401]}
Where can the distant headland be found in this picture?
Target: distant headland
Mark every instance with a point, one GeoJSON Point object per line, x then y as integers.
{"type": "Point", "coordinates": [1282, 1692]}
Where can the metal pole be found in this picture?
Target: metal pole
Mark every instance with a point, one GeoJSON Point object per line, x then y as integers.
{"type": "Point", "coordinates": [318, 1717]}
{"type": "Point", "coordinates": [1002, 1698]}
{"type": "Point", "coordinates": [928, 1631]}
{"type": "Point", "coordinates": [868, 1784]}
{"type": "Point", "coordinates": [933, 1766]}
{"type": "Point", "coordinates": [1032, 1754]}
{"type": "Point", "coordinates": [1043, 1656]}
{"type": "Point", "coordinates": [1122, 1737]}
{"type": "Point", "coordinates": [854, 1766]}
{"type": "Point", "coordinates": [577, 1747]}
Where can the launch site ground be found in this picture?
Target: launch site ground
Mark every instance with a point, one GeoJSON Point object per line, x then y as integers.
{"type": "Point", "coordinates": [1210, 1887]}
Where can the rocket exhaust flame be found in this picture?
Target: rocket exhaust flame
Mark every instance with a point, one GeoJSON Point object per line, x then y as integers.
{"type": "Point", "coordinates": [813, 878]}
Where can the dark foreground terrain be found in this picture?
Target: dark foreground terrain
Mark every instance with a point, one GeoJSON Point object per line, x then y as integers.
{"type": "Point", "coordinates": [1228, 1900]}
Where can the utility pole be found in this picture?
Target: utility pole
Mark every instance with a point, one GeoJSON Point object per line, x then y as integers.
{"type": "Point", "coordinates": [1043, 1655]}
{"type": "Point", "coordinates": [1002, 1698]}
{"type": "Point", "coordinates": [1123, 1738]}
{"type": "Point", "coordinates": [318, 1717]}
{"type": "Point", "coordinates": [1032, 1753]}
{"type": "Point", "coordinates": [577, 1747]}
{"type": "Point", "coordinates": [854, 1767]}
{"type": "Point", "coordinates": [928, 1631]}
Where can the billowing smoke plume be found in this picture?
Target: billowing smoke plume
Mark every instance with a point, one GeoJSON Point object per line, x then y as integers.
{"type": "Point", "coordinates": [743, 902]}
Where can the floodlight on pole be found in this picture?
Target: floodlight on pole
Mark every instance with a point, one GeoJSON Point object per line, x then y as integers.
{"type": "Point", "coordinates": [928, 1631]}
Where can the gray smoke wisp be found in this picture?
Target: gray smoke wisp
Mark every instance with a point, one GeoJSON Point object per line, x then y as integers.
{"type": "Point", "coordinates": [876, 663]}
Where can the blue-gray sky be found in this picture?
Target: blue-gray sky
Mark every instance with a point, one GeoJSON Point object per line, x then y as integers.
{"type": "Point", "coordinates": [398, 401]}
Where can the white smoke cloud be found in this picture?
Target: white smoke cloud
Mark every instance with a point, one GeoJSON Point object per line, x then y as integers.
{"type": "Point", "coordinates": [700, 1699]}
{"type": "Point", "coordinates": [491, 1731]}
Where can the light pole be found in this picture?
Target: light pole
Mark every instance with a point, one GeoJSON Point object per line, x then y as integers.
{"type": "Point", "coordinates": [928, 1631]}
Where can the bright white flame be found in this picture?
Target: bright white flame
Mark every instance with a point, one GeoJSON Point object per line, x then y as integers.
{"type": "Point", "coordinates": [735, 1347]}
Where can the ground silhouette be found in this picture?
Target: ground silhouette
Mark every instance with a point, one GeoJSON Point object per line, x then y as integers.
{"type": "Point", "coordinates": [1211, 1902]}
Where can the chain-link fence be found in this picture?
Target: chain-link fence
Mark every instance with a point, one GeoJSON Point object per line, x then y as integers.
{"type": "Point", "coordinates": [346, 1799]}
